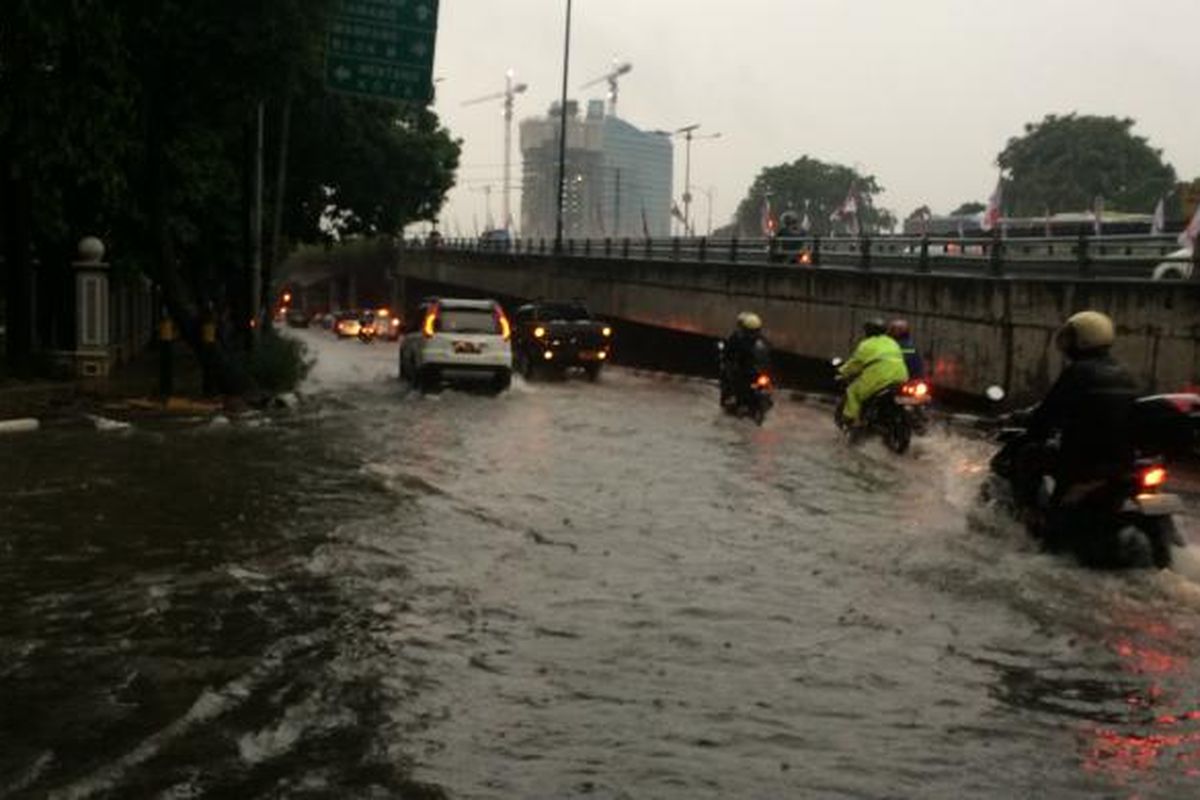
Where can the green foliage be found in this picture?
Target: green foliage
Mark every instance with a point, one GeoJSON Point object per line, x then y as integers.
{"type": "Point", "coordinates": [135, 121]}
{"type": "Point", "coordinates": [816, 187]}
{"type": "Point", "coordinates": [277, 363]}
{"type": "Point", "coordinates": [1064, 163]}
{"type": "Point", "coordinates": [968, 208]}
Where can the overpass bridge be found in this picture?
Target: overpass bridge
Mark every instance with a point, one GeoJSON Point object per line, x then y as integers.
{"type": "Point", "coordinates": [979, 319]}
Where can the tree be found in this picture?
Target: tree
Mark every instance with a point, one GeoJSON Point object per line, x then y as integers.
{"type": "Point", "coordinates": [1065, 163]}
{"type": "Point", "coordinates": [135, 121]}
{"type": "Point", "coordinates": [813, 187]}
{"type": "Point", "coordinates": [968, 209]}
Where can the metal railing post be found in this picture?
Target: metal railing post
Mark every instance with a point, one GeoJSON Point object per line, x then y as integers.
{"type": "Point", "coordinates": [674, 248]}
{"type": "Point", "coordinates": [772, 249]}
{"type": "Point", "coordinates": [587, 246]}
{"type": "Point", "coordinates": [733, 250]}
{"type": "Point", "coordinates": [816, 251]}
{"type": "Point", "coordinates": [571, 246]}
{"type": "Point", "coordinates": [1083, 256]}
{"type": "Point", "coordinates": [625, 247]}
{"type": "Point", "coordinates": [649, 249]}
{"type": "Point", "coordinates": [702, 249]}
{"type": "Point", "coordinates": [996, 254]}
{"type": "Point", "coordinates": [864, 252]}
{"type": "Point", "coordinates": [923, 259]}
{"type": "Point", "coordinates": [608, 247]}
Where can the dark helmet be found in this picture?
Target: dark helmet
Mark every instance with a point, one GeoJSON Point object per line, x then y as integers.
{"type": "Point", "coordinates": [1087, 331]}
{"type": "Point", "coordinates": [874, 327]}
{"type": "Point", "coordinates": [898, 329]}
{"type": "Point", "coordinates": [789, 220]}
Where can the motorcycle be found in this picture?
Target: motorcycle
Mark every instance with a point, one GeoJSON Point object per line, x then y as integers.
{"type": "Point", "coordinates": [367, 333]}
{"type": "Point", "coordinates": [1121, 521]}
{"type": "Point", "coordinates": [894, 413]}
{"type": "Point", "coordinates": [753, 400]}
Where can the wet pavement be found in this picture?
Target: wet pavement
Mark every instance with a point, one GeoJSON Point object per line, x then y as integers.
{"type": "Point", "coordinates": [571, 590]}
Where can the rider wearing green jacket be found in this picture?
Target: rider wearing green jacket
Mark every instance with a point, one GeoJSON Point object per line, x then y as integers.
{"type": "Point", "coordinates": [876, 364]}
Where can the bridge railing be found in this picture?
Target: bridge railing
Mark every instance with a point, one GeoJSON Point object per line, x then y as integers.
{"type": "Point", "coordinates": [1133, 256]}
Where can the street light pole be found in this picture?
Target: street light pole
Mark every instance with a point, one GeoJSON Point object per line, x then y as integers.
{"type": "Point", "coordinates": [687, 175]}
{"type": "Point", "coordinates": [562, 138]}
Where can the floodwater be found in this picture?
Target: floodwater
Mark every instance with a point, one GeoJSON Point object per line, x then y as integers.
{"type": "Point", "coordinates": [572, 590]}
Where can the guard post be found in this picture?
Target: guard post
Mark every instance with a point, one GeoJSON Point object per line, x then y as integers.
{"type": "Point", "coordinates": [166, 355]}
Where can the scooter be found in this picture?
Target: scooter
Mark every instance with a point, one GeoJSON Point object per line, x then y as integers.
{"type": "Point", "coordinates": [891, 413]}
{"type": "Point", "coordinates": [367, 333]}
{"type": "Point", "coordinates": [1122, 521]}
{"type": "Point", "coordinates": [754, 400]}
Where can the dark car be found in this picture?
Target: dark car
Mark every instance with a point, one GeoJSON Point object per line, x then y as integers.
{"type": "Point", "coordinates": [297, 318]}
{"type": "Point", "coordinates": [558, 336]}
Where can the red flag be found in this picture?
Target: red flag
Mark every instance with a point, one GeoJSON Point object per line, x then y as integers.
{"type": "Point", "coordinates": [1192, 232]}
{"type": "Point", "coordinates": [767, 222]}
{"type": "Point", "coordinates": [991, 217]}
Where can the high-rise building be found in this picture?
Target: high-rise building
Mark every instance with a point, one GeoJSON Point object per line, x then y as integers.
{"type": "Point", "coordinates": [618, 178]}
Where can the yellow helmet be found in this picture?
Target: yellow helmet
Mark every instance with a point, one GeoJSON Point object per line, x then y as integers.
{"type": "Point", "coordinates": [1087, 330]}
{"type": "Point", "coordinates": [749, 320]}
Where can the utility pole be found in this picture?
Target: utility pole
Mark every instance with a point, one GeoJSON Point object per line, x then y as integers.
{"type": "Point", "coordinates": [562, 138]}
{"type": "Point", "coordinates": [617, 204]}
{"type": "Point", "coordinates": [256, 230]}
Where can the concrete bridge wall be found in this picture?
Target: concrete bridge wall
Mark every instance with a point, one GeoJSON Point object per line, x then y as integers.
{"type": "Point", "coordinates": [974, 331]}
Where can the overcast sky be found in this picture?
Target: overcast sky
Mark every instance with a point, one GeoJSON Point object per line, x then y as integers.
{"type": "Point", "coordinates": [921, 93]}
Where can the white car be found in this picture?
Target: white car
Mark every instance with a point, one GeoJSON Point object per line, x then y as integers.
{"type": "Point", "coordinates": [1177, 270]}
{"type": "Point", "coordinates": [451, 339]}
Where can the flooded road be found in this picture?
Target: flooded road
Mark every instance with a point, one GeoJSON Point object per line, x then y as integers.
{"type": "Point", "coordinates": [571, 590]}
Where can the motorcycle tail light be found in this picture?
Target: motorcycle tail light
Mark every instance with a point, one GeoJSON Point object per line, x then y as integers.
{"type": "Point", "coordinates": [762, 381]}
{"type": "Point", "coordinates": [1152, 477]}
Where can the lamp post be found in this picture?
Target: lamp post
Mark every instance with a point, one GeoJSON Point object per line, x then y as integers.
{"type": "Point", "coordinates": [562, 138]}
{"type": "Point", "coordinates": [689, 134]}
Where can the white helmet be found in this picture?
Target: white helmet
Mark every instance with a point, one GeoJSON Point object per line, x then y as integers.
{"type": "Point", "coordinates": [749, 321]}
{"type": "Point", "coordinates": [1087, 330]}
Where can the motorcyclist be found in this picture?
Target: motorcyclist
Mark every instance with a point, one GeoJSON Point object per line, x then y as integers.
{"type": "Point", "coordinates": [1090, 406]}
{"type": "Point", "coordinates": [876, 364]}
{"type": "Point", "coordinates": [745, 354]}
{"type": "Point", "coordinates": [899, 330]}
{"type": "Point", "coordinates": [790, 237]}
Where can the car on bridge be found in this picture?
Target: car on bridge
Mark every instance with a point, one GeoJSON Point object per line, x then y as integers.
{"type": "Point", "coordinates": [452, 340]}
{"type": "Point", "coordinates": [1178, 266]}
{"type": "Point", "coordinates": [559, 336]}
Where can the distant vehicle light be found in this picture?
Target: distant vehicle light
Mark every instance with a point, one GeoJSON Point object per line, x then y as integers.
{"type": "Point", "coordinates": [603, 354]}
{"type": "Point", "coordinates": [1153, 477]}
{"type": "Point", "coordinates": [539, 332]}
{"type": "Point", "coordinates": [383, 312]}
{"type": "Point", "coordinates": [395, 322]}
{"type": "Point", "coordinates": [548, 355]}
{"type": "Point", "coordinates": [607, 331]}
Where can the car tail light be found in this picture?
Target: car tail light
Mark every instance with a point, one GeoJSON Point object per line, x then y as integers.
{"type": "Point", "coordinates": [763, 381]}
{"type": "Point", "coordinates": [502, 321]}
{"type": "Point", "coordinates": [1152, 477]}
{"type": "Point", "coordinates": [427, 328]}
{"type": "Point", "coordinates": [917, 389]}
{"type": "Point", "coordinates": [539, 332]}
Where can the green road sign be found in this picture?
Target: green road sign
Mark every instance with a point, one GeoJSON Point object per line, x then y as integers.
{"type": "Point", "coordinates": [383, 48]}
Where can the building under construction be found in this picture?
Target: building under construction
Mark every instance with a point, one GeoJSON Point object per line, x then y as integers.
{"type": "Point", "coordinates": [618, 178]}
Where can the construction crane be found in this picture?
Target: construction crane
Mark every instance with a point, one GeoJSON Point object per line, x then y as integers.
{"type": "Point", "coordinates": [618, 69]}
{"type": "Point", "coordinates": [511, 90]}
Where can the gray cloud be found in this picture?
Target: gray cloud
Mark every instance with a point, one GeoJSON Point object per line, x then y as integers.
{"type": "Point", "coordinates": [921, 93]}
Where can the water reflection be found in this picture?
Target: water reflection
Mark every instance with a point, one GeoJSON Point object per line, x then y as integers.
{"type": "Point", "coordinates": [1157, 742]}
